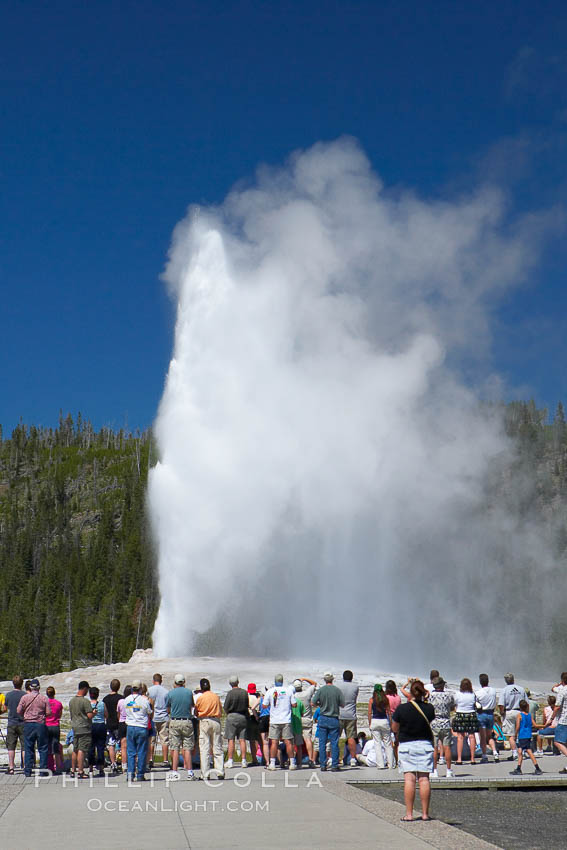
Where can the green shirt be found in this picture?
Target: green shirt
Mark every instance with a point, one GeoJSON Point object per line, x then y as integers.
{"type": "Point", "coordinates": [330, 699]}
{"type": "Point", "coordinates": [297, 712]}
{"type": "Point", "coordinates": [78, 708]}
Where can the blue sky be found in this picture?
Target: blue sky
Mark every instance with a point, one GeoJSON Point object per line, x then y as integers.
{"type": "Point", "coordinates": [116, 116]}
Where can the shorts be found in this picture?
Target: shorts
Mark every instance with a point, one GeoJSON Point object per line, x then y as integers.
{"type": "Point", "coordinates": [181, 736]}
{"type": "Point", "coordinates": [416, 757]}
{"type": "Point", "coordinates": [443, 735]}
{"type": "Point", "coordinates": [561, 733]}
{"type": "Point", "coordinates": [53, 745]}
{"type": "Point", "coordinates": [252, 730]}
{"type": "Point", "coordinates": [509, 722]}
{"type": "Point", "coordinates": [113, 738]}
{"type": "Point", "coordinates": [308, 731]}
{"type": "Point", "coordinates": [162, 732]}
{"type": "Point", "coordinates": [298, 739]}
{"type": "Point", "coordinates": [348, 726]}
{"type": "Point", "coordinates": [13, 735]}
{"type": "Point", "coordinates": [465, 722]}
{"type": "Point", "coordinates": [122, 730]}
{"type": "Point", "coordinates": [524, 743]}
{"type": "Point", "coordinates": [235, 726]}
{"type": "Point", "coordinates": [280, 730]}
{"type": "Point", "coordinates": [264, 724]}
{"type": "Point", "coordinates": [548, 732]}
{"type": "Point", "coordinates": [82, 742]}
{"type": "Point", "coordinates": [485, 719]}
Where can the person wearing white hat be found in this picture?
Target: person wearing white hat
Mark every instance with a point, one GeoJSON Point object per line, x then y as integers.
{"type": "Point", "coordinates": [138, 713]}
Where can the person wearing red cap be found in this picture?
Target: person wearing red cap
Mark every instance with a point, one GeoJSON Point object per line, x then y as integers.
{"type": "Point", "coordinates": [253, 728]}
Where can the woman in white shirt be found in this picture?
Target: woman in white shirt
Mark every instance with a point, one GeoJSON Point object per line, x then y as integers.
{"type": "Point", "coordinates": [465, 721]}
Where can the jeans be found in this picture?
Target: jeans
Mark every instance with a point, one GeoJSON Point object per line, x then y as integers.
{"type": "Point", "coordinates": [35, 732]}
{"type": "Point", "coordinates": [328, 728]}
{"type": "Point", "coordinates": [136, 746]}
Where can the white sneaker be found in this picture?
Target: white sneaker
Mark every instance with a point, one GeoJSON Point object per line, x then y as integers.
{"type": "Point", "coordinates": [244, 764]}
{"type": "Point", "coordinates": [353, 762]}
{"type": "Point", "coordinates": [229, 763]}
{"type": "Point", "coordinates": [450, 773]}
{"type": "Point", "coordinates": [329, 762]}
{"type": "Point", "coordinates": [539, 752]}
{"type": "Point", "coordinates": [272, 766]}
{"type": "Point", "coordinates": [190, 775]}
{"type": "Point", "coordinates": [292, 764]}
{"type": "Point", "coordinates": [441, 760]}
{"type": "Point", "coordinates": [172, 776]}
{"type": "Point", "coordinates": [434, 775]}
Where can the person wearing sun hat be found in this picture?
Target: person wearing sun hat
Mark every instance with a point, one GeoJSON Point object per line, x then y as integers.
{"type": "Point", "coordinates": [253, 728]}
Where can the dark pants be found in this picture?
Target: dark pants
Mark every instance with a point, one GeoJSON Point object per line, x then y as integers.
{"type": "Point", "coordinates": [328, 728]}
{"type": "Point", "coordinates": [35, 733]}
{"type": "Point", "coordinates": [98, 745]}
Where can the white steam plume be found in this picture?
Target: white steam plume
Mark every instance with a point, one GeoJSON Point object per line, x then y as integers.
{"type": "Point", "coordinates": [323, 473]}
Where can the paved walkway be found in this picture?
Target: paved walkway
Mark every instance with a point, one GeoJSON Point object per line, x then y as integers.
{"type": "Point", "coordinates": [278, 809]}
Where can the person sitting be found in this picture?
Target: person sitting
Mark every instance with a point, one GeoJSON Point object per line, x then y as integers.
{"type": "Point", "coordinates": [549, 724]}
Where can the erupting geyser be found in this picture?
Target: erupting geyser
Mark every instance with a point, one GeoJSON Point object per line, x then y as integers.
{"type": "Point", "coordinates": [323, 476]}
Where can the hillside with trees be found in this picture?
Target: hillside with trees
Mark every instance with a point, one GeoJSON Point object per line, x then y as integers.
{"type": "Point", "coordinates": [77, 571]}
{"type": "Point", "coordinates": [77, 577]}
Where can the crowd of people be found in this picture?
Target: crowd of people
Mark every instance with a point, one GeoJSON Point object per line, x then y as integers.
{"type": "Point", "coordinates": [286, 725]}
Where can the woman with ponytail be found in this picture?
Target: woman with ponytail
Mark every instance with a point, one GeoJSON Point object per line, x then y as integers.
{"type": "Point", "coordinates": [379, 715]}
{"type": "Point", "coordinates": [411, 723]}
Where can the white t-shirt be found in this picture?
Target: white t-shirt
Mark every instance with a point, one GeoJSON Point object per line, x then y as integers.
{"type": "Point", "coordinates": [510, 697]}
{"type": "Point", "coordinates": [487, 698]}
{"type": "Point", "coordinates": [280, 698]}
{"type": "Point", "coordinates": [138, 710]}
{"type": "Point", "coordinates": [464, 703]}
{"type": "Point", "coordinates": [369, 752]}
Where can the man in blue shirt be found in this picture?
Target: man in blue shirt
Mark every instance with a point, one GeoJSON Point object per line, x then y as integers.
{"type": "Point", "coordinates": [180, 705]}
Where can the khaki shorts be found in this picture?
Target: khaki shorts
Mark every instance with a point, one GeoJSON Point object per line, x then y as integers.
{"type": "Point", "coordinates": [82, 741]}
{"type": "Point", "coordinates": [308, 731]}
{"type": "Point", "coordinates": [509, 722]}
{"type": "Point", "coordinates": [280, 730]}
{"type": "Point", "coordinates": [348, 726]}
{"type": "Point", "coordinates": [181, 736]}
{"type": "Point", "coordinates": [162, 732]}
{"type": "Point", "coordinates": [443, 735]}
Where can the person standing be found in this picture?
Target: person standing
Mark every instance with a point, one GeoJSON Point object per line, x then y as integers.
{"type": "Point", "coordinates": [524, 733]}
{"type": "Point", "coordinates": [53, 726]}
{"type": "Point", "coordinates": [158, 694]}
{"type": "Point", "coordinates": [81, 712]}
{"type": "Point", "coordinates": [111, 701]}
{"type": "Point", "coordinates": [465, 721]}
{"type": "Point", "coordinates": [138, 714]}
{"type": "Point", "coordinates": [347, 714]}
{"type": "Point", "coordinates": [486, 699]}
{"type": "Point", "coordinates": [252, 729]}
{"type": "Point", "coordinates": [180, 705]}
{"type": "Point", "coordinates": [443, 702]}
{"type": "Point", "coordinates": [411, 724]}
{"type": "Point", "coordinates": [236, 710]}
{"type": "Point", "coordinates": [330, 700]}
{"type": "Point", "coordinates": [209, 710]}
{"type": "Point", "coordinates": [306, 694]}
{"type": "Point", "coordinates": [280, 700]}
{"type": "Point", "coordinates": [98, 732]}
{"type": "Point", "coordinates": [509, 707]}
{"type": "Point", "coordinates": [559, 712]}
{"type": "Point", "coordinates": [15, 730]}
{"type": "Point", "coordinates": [34, 708]}
{"type": "Point", "coordinates": [379, 721]}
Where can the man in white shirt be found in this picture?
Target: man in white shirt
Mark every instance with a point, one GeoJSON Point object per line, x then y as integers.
{"type": "Point", "coordinates": [486, 697]}
{"type": "Point", "coordinates": [280, 699]}
{"type": "Point", "coordinates": [138, 715]}
{"type": "Point", "coordinates": [509, 707]}
{"type": "Point", "coordinates": [158, 696]}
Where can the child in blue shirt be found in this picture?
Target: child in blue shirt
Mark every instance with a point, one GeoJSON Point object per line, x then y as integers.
{"type": "Point", "coordinates": [524, 730]}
